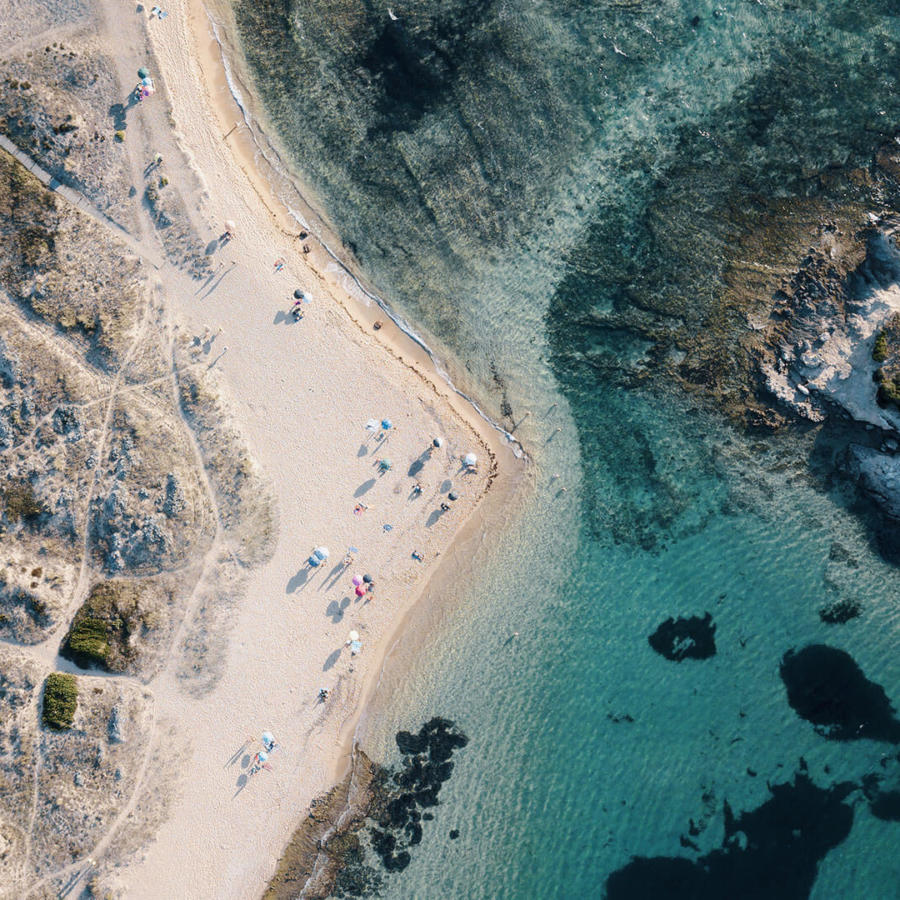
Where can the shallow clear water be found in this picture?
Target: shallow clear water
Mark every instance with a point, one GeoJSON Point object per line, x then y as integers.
{"type": "Point", "coordinates": [509, 174]}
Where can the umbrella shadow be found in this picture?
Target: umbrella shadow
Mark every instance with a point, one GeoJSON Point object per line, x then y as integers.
{"type": "Point", "coordinates": [435, 515]}
{"type": "Point", "coordinates": [416, 467]}
{"type": "Point", "coordinates": [331, 579]}
{"type": "Point", "coordinates": [211, 247]}
{"type": "Point", "coordinates": [363, 451]}
{"type": "Point", "coordinates": [364, 488]}
{"type": "Point", "coordinates": [336, 609]}
{"type": "Point", "coordinates": [299, 581]}
{"type": "Point", "coordinates": [446, 485]}
{"type": "Point", "coordinates": [240, 784]}
{"type": "Point", "coordinates": [332, 659]}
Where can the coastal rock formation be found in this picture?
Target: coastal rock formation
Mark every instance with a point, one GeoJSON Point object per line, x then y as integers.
{"type": "Point", "coordinates": [685, 638]}
{"type": "Point", "coordinates": [391, 806]}
{"type": "Point", "coordinates": [826, 687]}
{"type": "Point", "coordinates": [772, 851]}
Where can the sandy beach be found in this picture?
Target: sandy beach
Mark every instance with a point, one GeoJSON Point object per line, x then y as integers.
{"type": "Point", "coordinates": [301, 392]}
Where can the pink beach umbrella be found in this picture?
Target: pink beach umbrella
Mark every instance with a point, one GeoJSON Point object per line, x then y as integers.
{"type": "Point", "coordinates": [360, 591]}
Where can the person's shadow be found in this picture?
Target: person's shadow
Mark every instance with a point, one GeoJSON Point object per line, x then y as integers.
{"type": "Point", "coordinates": [298, 581]}
{"type": "Point", "coordinates": [332, 659]}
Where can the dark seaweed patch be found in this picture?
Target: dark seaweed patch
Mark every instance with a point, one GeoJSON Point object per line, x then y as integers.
{"type": "Point", "coordinates": [691, 638]}
{"type": "Point", "coordinates": [771, 852]}
{"type": "Point", "coordinates": [826, 687]}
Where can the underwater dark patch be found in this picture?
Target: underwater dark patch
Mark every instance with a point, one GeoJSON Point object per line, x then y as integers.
{"type": "Point", "coordinates": [826, 687]}
{"type": "Point", "coordinates": [690, 638]}
{"type": "Point", "coordinates": [769, 853]}
{"type": "Point", "coordinates": [886, 806]}
{"type": "Point", "coordinates": [426, 766]}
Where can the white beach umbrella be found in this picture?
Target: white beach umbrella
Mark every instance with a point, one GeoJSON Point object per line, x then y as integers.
{"type": "Point", "coordinates": [321, 552]}
{"type": "Point", "coordinates": [372, 425]}
{"type": "Point", "coordinates": [353, 636]}
{"type": "Point", "coordinates": [470, 459]}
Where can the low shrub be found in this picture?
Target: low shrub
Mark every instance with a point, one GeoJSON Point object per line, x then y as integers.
{"type": "Point", "coordinates": [60, 700]}
{"type": "Point", "coordinates": [880, 348]}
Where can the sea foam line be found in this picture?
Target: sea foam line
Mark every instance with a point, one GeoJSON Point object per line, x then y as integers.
{"type": "Point", "coordinates": [278, 166]}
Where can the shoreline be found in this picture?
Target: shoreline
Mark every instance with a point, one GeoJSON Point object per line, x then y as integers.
{"type": "Point", "coordinates": [220, 66]}
{"type": "Point", "coordinates": [404, 347]}
{"type": "Point", "coordinates": [497, 489]}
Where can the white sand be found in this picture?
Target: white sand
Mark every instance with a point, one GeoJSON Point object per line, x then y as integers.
{"type": "Point", "coordinates": [302, 393]}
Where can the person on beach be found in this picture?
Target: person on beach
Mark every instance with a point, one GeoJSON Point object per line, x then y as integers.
{"type": "Point", "coordinates": [359, 509]}
{"type": "Point", "coordinates": [323, 695]}
{"type": "Point", "coordinates": [279, 265]}
{"type": "Point", "coordinates": [417, 556]}
{"type": "Point", "coordinates": [445, 507]}
{"type": "Point", "coordinates": [416, 489]}
{"type": "Point", "coordinates": [297, 310]}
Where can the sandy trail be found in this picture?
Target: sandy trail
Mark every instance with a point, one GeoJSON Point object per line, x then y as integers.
{"type": "Point", "coordinates": [302, 392]}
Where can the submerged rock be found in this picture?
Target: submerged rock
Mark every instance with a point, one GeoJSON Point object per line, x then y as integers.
{"type": "Point", "coordinates": [886, 806]}
{"type": "Point", "coordinates": [691, 638]}
{"type": "Point", "coordinates": [826, 687]}
{"type": "Point", "coordinates": [770, 852]}
{"type": "Point", "coordinates": [840, 611]}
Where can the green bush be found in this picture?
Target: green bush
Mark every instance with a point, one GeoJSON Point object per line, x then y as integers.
{"type": "Point", "coordinates": [880, 349]}
{"type": "Point", "coordinates": [60, 700]}
{"type": "Point", "coordinates": [88, 642]}
{"type": "Point", "coordinates": [20, 502]}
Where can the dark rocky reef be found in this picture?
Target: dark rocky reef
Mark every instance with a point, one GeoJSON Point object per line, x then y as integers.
{"type": "Point", "coordinates": [826, 687]}
{"type": "Point", "coordinates": [328, 854]}
{"type": "Point", "coordinates": [685, 638]}
{"type": "Point", "coordinates": [840, 612]}
{"type": "Point", "coordinates": [886, 806]}
{"type": "Point", "coordinates": [426, 766]}
{"type": "Point", "coordinates": [771, 852]}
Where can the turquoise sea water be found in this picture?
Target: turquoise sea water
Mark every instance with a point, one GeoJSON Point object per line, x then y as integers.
{"type": "Point", "coordinates": [509, 175]}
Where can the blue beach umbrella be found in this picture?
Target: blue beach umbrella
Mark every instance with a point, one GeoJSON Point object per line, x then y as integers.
{"type": "Point", "coordinates": [321, 553]}
{"type": "Point", "coordinates": [385, 424]}
{"type": "Point", "coordinates": [314, 560]}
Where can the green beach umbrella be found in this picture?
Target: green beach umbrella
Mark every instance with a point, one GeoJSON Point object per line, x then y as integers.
{"type": "Point", "coordinates": [143, 72]}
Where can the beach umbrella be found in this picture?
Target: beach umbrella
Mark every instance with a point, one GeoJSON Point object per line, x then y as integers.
{"type": "Point", "coordinates": [367, 579]}
{"type": "Point", "coordinates": [357, 581]}
{"type": "Point", "coordinates": [268, 737]}
{"type": "Point", "coordinates": [147, 80]}
{"type": "Point", "coordinates": [353, 549]}
{"type": "Point", "coordinates": [353, 636]}
{"type": "Point", "coordinates": [321, 552]}
{"type": "Point", "coordinates": [314, 560]}
{"type": "Point", "coordinates": [229, 224]}
{"type": "Point", "coordinates": [360, 591]}
{"type": "Point", "coordinates": [143, 72]}
{"type": "Point", "coordinates": [470, 459]}
{"type": "Point", "coordinates": [371, 425]}
{"type": "Point", "coordinates": [262, 756]}
{"type": "Point", "coordinates": [384, 465]}
{"type": "Point", "coordinates": [355, 647]}
{"type": "Point", "coordinates": [385, 424]}
{"type": "Point", "coordinates": [453, 495]}
{"type": "Point", "coordinates": [298, 294]}
{"type": "Point", "coordinates": [438, 442]}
